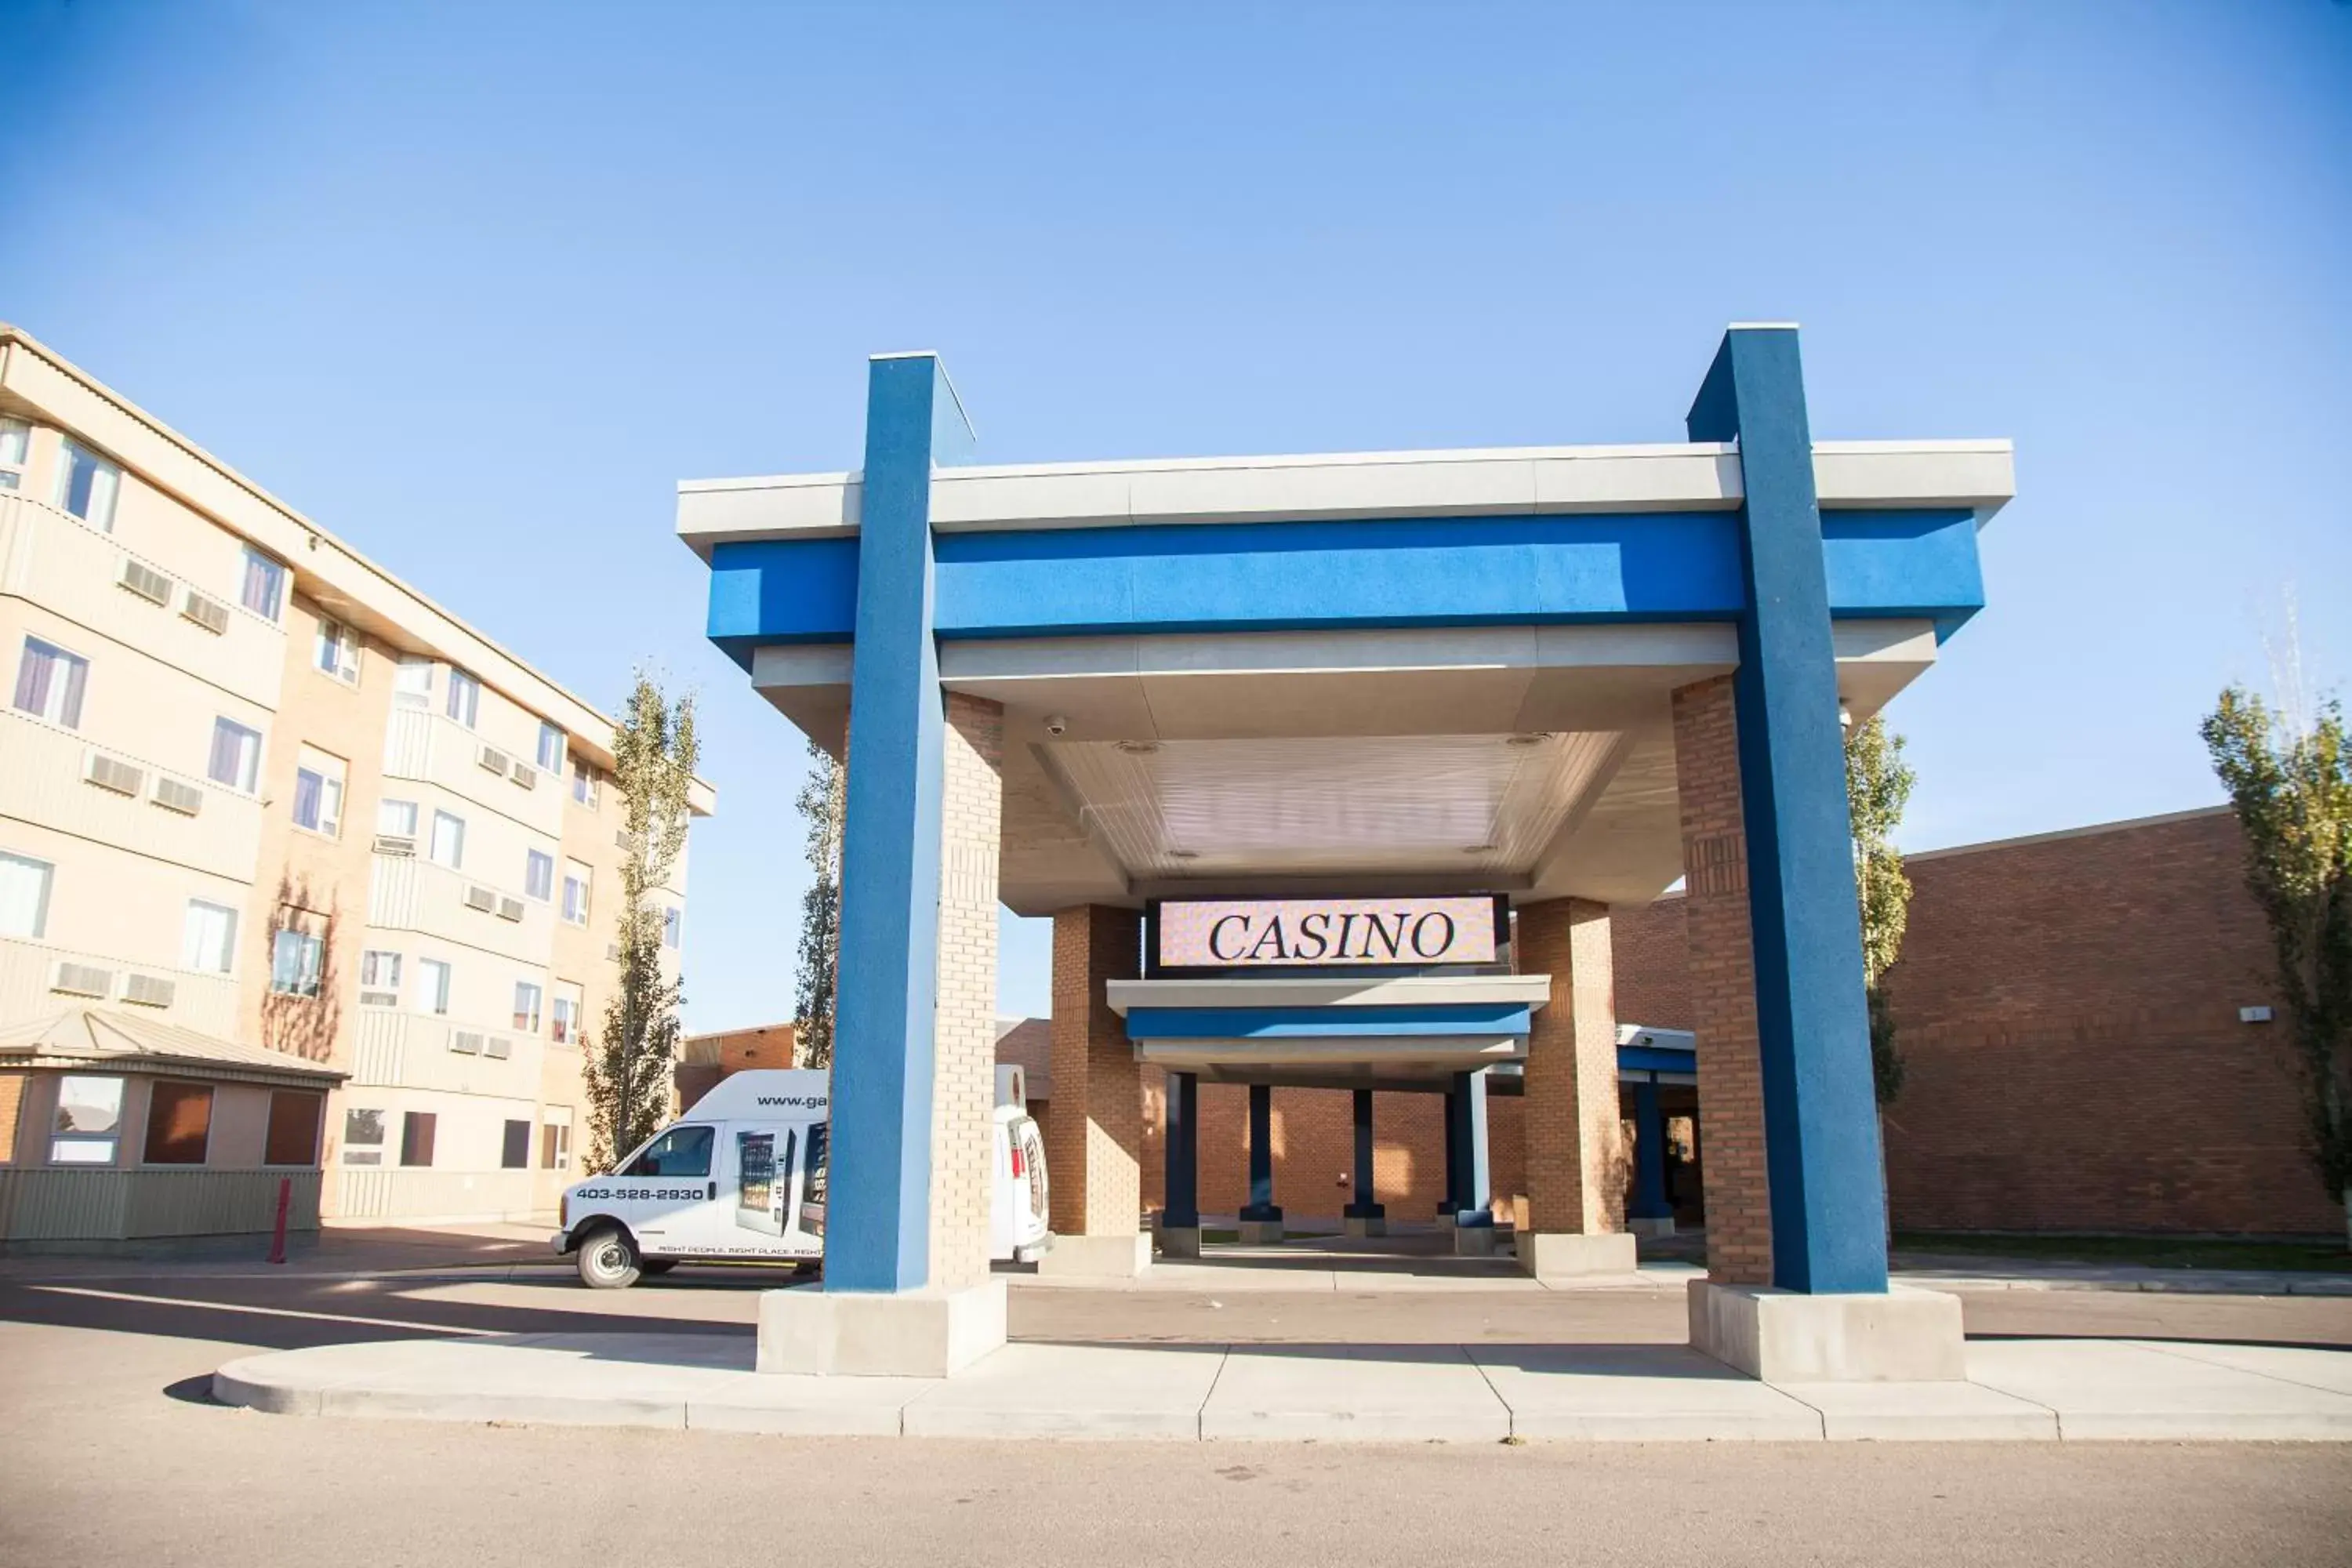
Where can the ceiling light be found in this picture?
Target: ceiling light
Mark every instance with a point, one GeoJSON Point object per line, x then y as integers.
{"type": "Point", "coordinates": [1139, 748]}
{"type": "Point", "coordinates": [1537, 738]}
{"type": "Point", "coordinates": [1477, 849]}
{"type": "Point", "coordinates": [1183, 855]}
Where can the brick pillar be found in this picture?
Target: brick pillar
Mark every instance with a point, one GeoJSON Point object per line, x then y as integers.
{"type": "Point", "coordinates": [963, 1092]}
{"type": "Point", "coordinates": [1575, 1156]}
{"type": "Point", "coordinates": [1094, 1156]}
{"type": "Point", "coordinates": [1723, 984]}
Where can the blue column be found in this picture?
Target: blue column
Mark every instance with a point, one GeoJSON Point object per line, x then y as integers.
{"type": "Point", "coordinates": [1649, 1154]}
{"type": "Point", "coordinates": [1468, 1145]}
{"type": "Point", "coordinates": [1364, 1207]}
{"type": "Point", "coordinates": [1260, 1154]}
{"type": "Point", "coordinates": [879, 1229]}
{"type": "Point", "coordinates": [1181, 1208]}
{"type": "Point", "coordinates": [1820, 1124]}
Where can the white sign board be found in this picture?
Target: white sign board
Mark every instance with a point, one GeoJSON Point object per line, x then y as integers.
{"type": "Point", "coordinates": [1304, 933]}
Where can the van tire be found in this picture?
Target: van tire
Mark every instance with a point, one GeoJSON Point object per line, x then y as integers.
{"type": "Point", "coordinates": [608, 1259]}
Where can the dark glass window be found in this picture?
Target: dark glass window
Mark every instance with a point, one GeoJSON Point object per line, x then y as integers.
{"type": "Point", "coordinates": [515, 1154]}
{"type": "Point", "coordinates": [179, 1123]}
{"type": "Point", "coordinates": [293, 1129]}
{"type": "Point", "coordinates": [680, 1152]}
{"type": "Point", "coordinates": [416, 1130]}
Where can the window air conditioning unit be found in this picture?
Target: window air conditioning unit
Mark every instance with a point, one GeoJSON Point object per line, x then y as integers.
{"type": "Point", "coordinates": [395, 844]}
{"type": "Point", "coordinates": [145, 581]}
{"type": "Point", "coordinates": [510, 909]}
{"type": "Point", "coordinates": [172, 795]}
{"type": "Point", "coordinates": [379, 998]}
{"type": "Point", "coordinates": [497, 1049]}
{"type": "Point", "coordinates": [81, 979]}
{"type": "Point", "coordinates": [206, 611]}
{"type": "Point", "coordinates": [480, 898]}
{"type": "Point", "coordinates": [523, 774]}
{"type": "Point", "coordinates": [148, 990]}
{"type": "Point", "coordinates": [492, 758]}
{"type": "Point", "coordinates": [467, 1041]}
{"type": "Point", "coordinates": [620, 838]}
{"type": "Point", "coordinates": [114, 773]}
{"type": "Point", "coordinates": [612, 952]}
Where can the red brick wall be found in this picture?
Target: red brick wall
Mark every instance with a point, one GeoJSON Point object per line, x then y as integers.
{"type": "Point", "coordinates": [1653, 964]}
{"type": "Point", "coordinates": [2068, 1013]}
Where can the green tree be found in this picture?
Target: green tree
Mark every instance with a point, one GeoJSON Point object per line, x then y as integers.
{"type": "Point", "coordinates": [820, 803]}
{"type": "Point", "coordinates": [629, 1063]}
{"type": "Point", "coordinates": [1878, 786]}
{"type": "Point", "coordinates": [2291, 786]}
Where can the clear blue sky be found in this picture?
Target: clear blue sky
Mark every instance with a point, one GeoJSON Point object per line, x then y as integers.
{"type": "Point", "coordinates": [475, 286]}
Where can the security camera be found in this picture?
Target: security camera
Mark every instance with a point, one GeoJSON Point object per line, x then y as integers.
{"type": "Point", "coordinates": [1057, 723]}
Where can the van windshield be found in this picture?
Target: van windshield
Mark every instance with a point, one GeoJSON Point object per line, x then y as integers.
{"type": "Point", "coordinates": [680, 1152]}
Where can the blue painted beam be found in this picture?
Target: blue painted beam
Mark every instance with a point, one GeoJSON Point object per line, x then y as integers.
{"type": "Point", "coordinates": [1649, 1157]}
{"type": "Point", "coordinates": [1588, 568]}
{"type": "Point", "coordinates": [878, 1227]}
{"type": "Point", "coordinates": [1179, 1207]}
{"type": "Point", "coordinates": [1469, 1186]}
{"type": "Point", "coordinates": [1651, 1058]}
{"type": "Point", "coordinates": [1821, 1123]}
{"type": "Point", "coordinates": [1261, 1207]}
{"type": "Point", "coordinates": [1305, 1022]}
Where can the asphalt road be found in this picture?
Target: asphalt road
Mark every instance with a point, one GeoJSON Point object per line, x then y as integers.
{"type": "Point", "coordinates": [110, 1453]}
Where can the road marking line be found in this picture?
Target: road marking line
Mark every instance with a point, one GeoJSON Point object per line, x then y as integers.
{"type": "Point", "coordinates": [263, 1312]}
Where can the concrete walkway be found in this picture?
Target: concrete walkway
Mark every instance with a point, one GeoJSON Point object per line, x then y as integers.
{"type": "Point", "coordinates": [2018, 1389]}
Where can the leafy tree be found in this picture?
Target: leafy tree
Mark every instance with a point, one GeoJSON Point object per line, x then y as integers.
{"type": "Point", "coordinates": [1878, 786]}
{"type": "Point", "coordinates": [820, 803]}
{"type": "Point", "coordinates": [629, 1064]}
{"type": "Point", "coordinates": [2291, 786]}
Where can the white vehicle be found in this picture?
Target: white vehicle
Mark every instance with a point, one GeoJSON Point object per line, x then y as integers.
{"type": "Point", "coordinates": [741, 1177]}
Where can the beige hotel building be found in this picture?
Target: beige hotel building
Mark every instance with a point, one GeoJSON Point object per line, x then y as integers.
{"type": "Point", "coordinates": [255, 788]}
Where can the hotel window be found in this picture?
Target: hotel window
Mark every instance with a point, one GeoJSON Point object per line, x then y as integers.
{"type": "Point", "coordinates": [551, 748]}
{"type": "Point", "coordinates": [416, 1130]}
{"type": "Point", "coordinates": [564, 1019]}
{"type": "Point", "coordinates": [514, 1150]}
{"type": "Point", "coordinates": [575, 892]}
{"type": "Point", "coordinates": [15, 442]}
{"type": "Point", "coordinates": [413, 685]}
{"type": "Point", "coordinates": [379, 978]}
{"type": "Point", "coordinates": [336, 651]}
{"type": "Point", "coordinates": [87, 484]}
{"type": "Point", "coordinates": [264, 592]}
{"type": "Point", "coordinates": [554, 1145]}
{"type": "Point", "coordinates": [318, 793]}
{"type": "Point", "coordinates": [25, 894]}
{"type": "Point", "coordinates": [584, 783]}
{"type": "Point", "coordinates": [236, 755]}
{"type": "Point", "coordinates": [293, 1135]}
{"type": "Point", "coordinates": [671, 920]}
{"type": "Point", "coordinates": [397, 817]}
{"type": "Point", "coordinates": [49, 683]}
{"type": "Point", "coordinates": [89, 1121]}
{"type": "Point", "coordinates": [433, 986]}
{"type": "Point", "coordinates": [464, 701]}
{"type": "Point", "coordinates": [538, 875]}
{"type": "Point", "coordinates": [208, 941]}
{"type": "Point", "coordinates": [448, 846]}
{"type": "Point", "coordinates": [526, 1011]}
{"type": "Point", "coordinates": [363, 1137]}
{"type": "Point", "coordinates": [297, 960]}
{"type": "Point", "coordinates": [179, 1123]}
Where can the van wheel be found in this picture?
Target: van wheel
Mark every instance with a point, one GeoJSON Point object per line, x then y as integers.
{"type": "Point", "coordinates": [608, 1260]}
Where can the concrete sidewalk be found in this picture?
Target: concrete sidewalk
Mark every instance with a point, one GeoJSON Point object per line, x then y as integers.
{"type": "Point", "coordinates": [2017, 1389]}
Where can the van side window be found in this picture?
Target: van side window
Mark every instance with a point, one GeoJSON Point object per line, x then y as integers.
{"type": "Point", "coordinates": [680, 1152]}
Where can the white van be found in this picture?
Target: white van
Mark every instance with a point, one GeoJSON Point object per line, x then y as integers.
{"type": "Point", "coordinates": [741, 1177]}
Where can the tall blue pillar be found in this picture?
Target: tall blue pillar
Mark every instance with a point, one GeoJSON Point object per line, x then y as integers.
{"type": "Point", "coordinates": [1180, 1209]}
{"type": "Point", "coordinates": [1467, 1149]}
{"type": "Point", "coordinates": [1649, 1155]}
{"type": "Point", "coordinates": [1364, 1207]}
{"type": "Point", "coordinates": [879, 1229]}
{"type": "Point", "coordinates": [1447, 1208]}
{"type": "Point", "coordinates": [1821, 1123]}
{"type": "Point", "coordinates": [1261, 1155]}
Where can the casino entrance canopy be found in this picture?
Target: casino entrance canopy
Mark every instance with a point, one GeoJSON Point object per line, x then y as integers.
{"type": "Point", "coordinates": [1535, 682]}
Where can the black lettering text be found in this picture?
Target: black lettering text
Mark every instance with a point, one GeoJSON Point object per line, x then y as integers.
{"type": "Point", "coordinates": [1421, 928]}
{"type": "Point", "coordinates": [1215, 951]}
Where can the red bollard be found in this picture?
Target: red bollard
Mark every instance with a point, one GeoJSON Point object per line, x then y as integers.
{"type": "Point", "coordinates": [277, 1235]}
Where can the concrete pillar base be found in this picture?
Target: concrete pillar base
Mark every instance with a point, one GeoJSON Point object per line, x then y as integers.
{"type": "Point", "coordinates": [1475, 1240]}
{"type": "Point", "coordinates": [1558, 1255]}
{"type": "Point", "coordinates": [1179, 1240]}
{"type": "Point", "coordinates": [1664, 1226]}
{"type": "Point", "coordinates": [1097, 1257]}
{"type": "Point", "coordinates": [1781, 1336]}
{"type": "Point", "coordinates": [1367, 1225]}
{"type": "Point", "coordinates": [1261, 1232]}
{"type": "Point", "coordinates": [877, 1334]}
